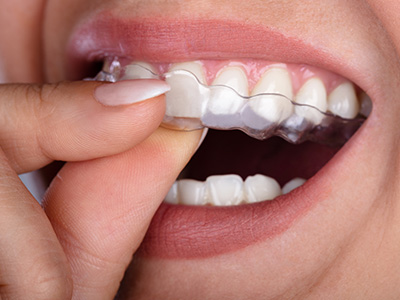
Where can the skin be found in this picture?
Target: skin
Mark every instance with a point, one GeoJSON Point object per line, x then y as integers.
{"type": "Point", "coordinates": [69, 251]}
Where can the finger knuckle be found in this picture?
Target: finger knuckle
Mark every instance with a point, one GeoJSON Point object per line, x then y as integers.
{"type": "Point", "coordinates": [93, 263]}
{"type": "Point", "coordinates": [40, 103]}
{"type": "Point", "coordinates": [51, 283]}
{"type": "Point", "coordinates": [41, 96]}
{"type": "Point", "coordinates": [30, 100]}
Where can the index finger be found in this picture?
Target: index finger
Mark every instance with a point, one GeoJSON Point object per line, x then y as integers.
{"type": "Point", "coordinates": [73, 121]}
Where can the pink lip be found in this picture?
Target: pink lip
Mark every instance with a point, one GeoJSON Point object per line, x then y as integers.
{"type": "Point", "coordinates": [189, 232]}
{"type": "Point", "coordinates": [196, 232]}
{"type": "Point", "coordinates": [181, 40]}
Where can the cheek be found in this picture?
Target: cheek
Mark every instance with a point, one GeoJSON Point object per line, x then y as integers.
{"type": "Point", "coordinates": [21, 62]}
{"type": "Point", "coordinates": [60, 18]}
{"type": "Point", "coordinates": [388, 12]}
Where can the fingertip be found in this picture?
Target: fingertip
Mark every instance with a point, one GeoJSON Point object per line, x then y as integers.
{"type": "Point", "coordinates": [130, 91]}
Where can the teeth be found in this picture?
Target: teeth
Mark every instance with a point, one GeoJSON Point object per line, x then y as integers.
{"type": "Point", "coordinates": [186, 100]}
{"type": "Point", "coordinates": [139, 70]}
{"type": "Point", "coordinates": [191, 192]}
{"type": "Point", "coordinates": [172, 196]}
{"type": "Point", "coordinates": [225, 189]}
{"type": "Point", "coordinates": [259, 188]}
{"type": "Point", "coordinates": [235, 78]}
{"type": "Point", "coordinates": [193, 67]}
{"type": "Point", "coordinates": [275, 80]}
{"type": "Point", "coordinates": [270, 107]}
{"type": "Point", "coordinates": [225, 103]}
{"type": "Point", "coordinates": [366, 105]}
{"type": "Point", "coordinates": [343, 102]}
{"type": "Point", "coordinates": [312, 93]}
{"type": "Point", "coordinates": [185, 88]}
{"type": "Point", "coordinates": [292, 184]}
{"type": "Point", "coordinates": [269, 110]}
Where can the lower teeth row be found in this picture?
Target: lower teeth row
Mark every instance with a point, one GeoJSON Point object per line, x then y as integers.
{"type": "Point", "coordinates": [192, 105]}
{"type": "Point", "coordinates": [228, 190]}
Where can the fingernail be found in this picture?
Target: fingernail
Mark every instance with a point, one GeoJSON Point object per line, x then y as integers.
{"type": "Point", "coordinates": [203, 136]}
{"type": "Point", "coordinates": [129, 91]}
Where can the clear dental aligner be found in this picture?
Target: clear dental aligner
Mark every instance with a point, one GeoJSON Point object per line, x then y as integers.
{"type": "Point", "coordinates": [193, 105]}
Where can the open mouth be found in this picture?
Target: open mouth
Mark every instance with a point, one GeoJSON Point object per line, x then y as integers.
{"type": "Point", "coordinates": [313, 111]}
{"type": "Point", "coordinates": [240, 187]}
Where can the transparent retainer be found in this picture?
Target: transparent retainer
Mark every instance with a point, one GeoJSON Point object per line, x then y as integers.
{"type": "Point", "coordinates": [191, 105]}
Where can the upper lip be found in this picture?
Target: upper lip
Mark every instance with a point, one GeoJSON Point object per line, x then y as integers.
{"type": "Point", "coordinates": [158, 40]}
{"type": "Point", "coordinates": [182, 40]}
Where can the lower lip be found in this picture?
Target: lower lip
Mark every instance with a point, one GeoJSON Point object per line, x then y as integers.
{"type": "Point", "coordinates": [188, 232]}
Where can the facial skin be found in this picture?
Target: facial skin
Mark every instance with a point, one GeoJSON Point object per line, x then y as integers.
{"type": "Point", "coordinates": [346, 246]}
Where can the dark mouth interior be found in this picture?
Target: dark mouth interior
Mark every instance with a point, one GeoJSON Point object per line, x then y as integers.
{"type": "Point", "coordinates": [234, 152]}
{"type": "Point", "coordinates": [84, 69]}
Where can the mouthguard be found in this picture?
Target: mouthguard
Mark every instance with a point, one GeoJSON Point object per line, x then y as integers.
{"type": "Point", "coordinates": [192, 105]}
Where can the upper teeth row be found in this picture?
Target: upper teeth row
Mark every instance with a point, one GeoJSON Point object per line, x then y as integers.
{"type": "Point", "coordinates": [227, 190]}
{"type": "Point", "coordinates": [270, 108]}
{"type": "Point", "coordinates": [342, 101]}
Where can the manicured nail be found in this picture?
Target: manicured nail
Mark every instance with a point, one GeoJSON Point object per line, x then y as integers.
{"type": "Point", "coordinates": [129, 91]}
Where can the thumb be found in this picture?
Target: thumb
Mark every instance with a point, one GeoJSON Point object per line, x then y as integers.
{"type": "Point", "coordinates": [101, 209]}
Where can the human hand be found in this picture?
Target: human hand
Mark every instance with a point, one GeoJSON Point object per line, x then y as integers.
{"type": "Point", "coordinates": [86, 240]}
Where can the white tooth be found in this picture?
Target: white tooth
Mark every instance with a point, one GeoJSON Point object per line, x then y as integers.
{"type": "Point", "coordinates": [191, 192]}
{"type": "Point", "coordinates": [272, 107]}
{"type": "Point", "coordinates": [234, 77]}
{"type": "Point", "coordinates": [342, 101]}
{"type": "Point", "coordinates": [186, 97]}
{"type": "Point", "coordinates": [312, 93]}
{"type": "Point", "coordinates": [225, 190]}
{"type": "Point", "coordinates": [225, 101]}
{"type": "Point", "coordinates": [259, 188]}
{"type": "Point", "coordinates": [172, 196]}
{"type": "Point", "coordinates": [275, 80]}
{"type": "Point", "coordinates": [292, 184]}
{"type": "Point", "coordinates": [139, 70]}
{"type": "Point", "coordinates": [193, 67]}
{"type": "Point", "coordinates": [366, 105]}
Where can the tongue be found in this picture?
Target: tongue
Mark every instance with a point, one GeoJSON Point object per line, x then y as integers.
{"type": "Point", "coordinates": [233, 152]}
